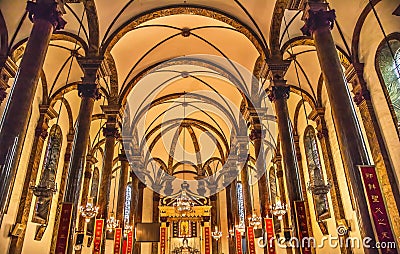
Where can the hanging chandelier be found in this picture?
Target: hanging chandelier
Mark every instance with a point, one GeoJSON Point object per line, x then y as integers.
{"type": "Point", "coordinates": [216, 234]}
{"type": "Point", "coordinates": [183, 204]}
{"type": "Point", "coordinates": [241, 227]}
{"type": "Point", "coordinates": [279, 209]}
{"type": "Point", "coordinates": [112, 223]}
{"type": "Point", "coordinates": [89, 210]}
{"type": "Point", "coordinates": [254, 220]}
{"type": "Point", "coordinates": [127, 229]}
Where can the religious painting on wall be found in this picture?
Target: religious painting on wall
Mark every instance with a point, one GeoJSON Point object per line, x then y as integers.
{"type": "Point", "coordinates": [47, 182]}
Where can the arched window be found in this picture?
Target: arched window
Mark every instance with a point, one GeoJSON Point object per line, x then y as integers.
{"type": "Point", "coordinates": [48, 175]}
{"type": "Point", "coordinates": [274, 194]}
{"type": "Point", "coordinates": [316, 176]}
{"type": "Point", "coordinates": [388, 67]}
{"type": "Point", "coordinates": [127, 206]}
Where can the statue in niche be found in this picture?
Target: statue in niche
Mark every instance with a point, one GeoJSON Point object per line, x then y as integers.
{"type": "Point", "coordinates": [47, 183]}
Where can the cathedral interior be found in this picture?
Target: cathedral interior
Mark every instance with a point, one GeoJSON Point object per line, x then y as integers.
{"type": "Point", "coordinates": [119, 134]}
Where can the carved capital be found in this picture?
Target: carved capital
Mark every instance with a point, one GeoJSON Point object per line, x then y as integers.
{"type": "Point", "coordinates": [317, 16]}
{"type": "Point", "coordinates": [256, 134]}
{"type": "Point", "coordinates": [3, 94]}
{"type": "Point", "coordinates": [110, 132]}
{"type": "Point", "coordinates": [122, 157]}
{"type": "Point", "coordinates": [46, 11]}
{"type": "Point", "coordinates": [89, 91]}
{"type": "Point", "coordinates": [279, 173]}
{"type": "Point", "coordinates": [88, 174]}
{"type": "Point", "coordinates": [322, 133]}
{"type": "Point", "coordinates": [361, 95]}
{"type": "Point", "coordinates": [279, 93]}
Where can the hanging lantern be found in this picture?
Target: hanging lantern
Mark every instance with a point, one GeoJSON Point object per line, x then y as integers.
{"type": "Point", "coordinates": [112, 223]}
{"type": "Point", "coordinates": [183, 204]}
{"type": "Point", "coordinates": [216, 234]}
{"type": "Point", "coordinates": [254, 220]}
{"type": "Point", "coordinates": [127, 229]}
{"type": "Point", "coordinates": [89, 210]}
{"type": "Point", "coordinates": [279, 209]}
{"type": "Point", "coordinates": [241, 227]}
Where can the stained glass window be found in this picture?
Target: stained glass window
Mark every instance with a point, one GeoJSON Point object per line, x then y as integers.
{"type": "Point", "coordinates": [315, 172]}
{"type": "Point", "coordinates": [388, 63]}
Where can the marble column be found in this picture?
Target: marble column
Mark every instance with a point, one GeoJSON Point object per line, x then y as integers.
{"type": "Point", "coordinates": [318, 23]}
{"type": "Point", "coordinates": [138, 215]}
{"type": "Point", "coordinates": [63, 183]}
{"type": "Point", "coordinates": [279, 96]}
{"type": "Point", "coordinates": [110, 133]}
{"type": "Point", "coordinates": [88, 91]}
{"type": "Point", "coordinates": [384, 168]}
{"type": "Point", "coordinates": [123, 183]}
{"type": "Point", "coordinates": [90, 161]}
{"type": "Point", "coordinates": [25, 203]}
{"type": "Point", "coordinates": [14, 123]}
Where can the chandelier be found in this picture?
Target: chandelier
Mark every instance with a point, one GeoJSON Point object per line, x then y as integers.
{"type": "Point", "coordinates": [89, 210]}
{"type": "Point", "coordinates": [279, 209]}
{"type": "Point", "coordinates": [241, 227]}
{"type": "Point", "coordinates": [231, 232]}
{"type": "Point", "coordinates": [112, 223]}
{"type": "Point", "coordinates": [183, 204]}
{"type": "Point", "coordinates": [216, 234]}
{"type": "Point", "coordinates": [254, 220]}
{"type": "Point", "coordinates": [127, 229]}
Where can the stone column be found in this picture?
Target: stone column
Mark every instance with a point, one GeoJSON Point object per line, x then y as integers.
{"type": "Point", "coordinates": [156, 215]}
{"type": "Point", "coordinates": [110, 133]}
{"type": "Point", "coordinates": [7, 71]}
{"type": "Point", "coordinates": [384, 168]}
{"type": "Point", "coordinates": [25, 203]}
{"type": "Point", "coordinates": [319, 22]}
{"type": "Point", "coordinates": [214, 221]}
{"type": "Point", "coordinates": [14, 123]}
{"type": "Point", "coordinates": [89, 92]}
{"type": "Point", "coordinates": [134, 199]}
{"type": "Point", "coordinates": [279, 96]}
{"type": "Point", "coordinates": [67, 158]}
{"type": "Point", "coordinates": [138, 215]}
{"type": "Point", "coordinates": [123, 183]}
{"type": "Point", "coordinates": [230, 218]}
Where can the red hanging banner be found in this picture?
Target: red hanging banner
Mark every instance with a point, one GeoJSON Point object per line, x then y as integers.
{"type": "Point", "coordinates": [378, 209]}
{"type": "Point", "coordinates": [117, 240]}
{"type": "Point", "coordinates": [207, 240]}
{"type": "Point", "coordinates": [63, 228]}
{"type": "Point", "coordinates": [130, 243]}
{"type": "Point", "coordinates": [98, 236]}
{"type": "Point", "coordinates": [302, 227]}
{"type": "Point", "coordinates": [163, 240]}
{"type": "Point", "coordinates": [239, 249]}
{"type": "Point", "coordinates": [250, 236]}
{"type": "Point", "coordinates": [269, 229]}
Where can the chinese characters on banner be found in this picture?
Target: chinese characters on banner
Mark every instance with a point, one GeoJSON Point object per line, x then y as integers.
{"type": "Point", "coordinates": [250, 236]}
{"type": "Point", "coordinates": [269, 229]}
{"type": "Point", "coordinates": [63, 228]}
{"type": "Point", "coordinates": [207, 240]}
{"type": "Point", "coordinates": [302, 227]}
{"type": "Point", "coordinates": [130, 243]}
{"type": "Point", "coordinates": [163, 240]}
{"type": "Point", "coordinates": [117, 240]}
{"type": "Point", "coordinates": [98, 235]}
{"type": "Point", "coordinates": [239, 249]}
{"type": "Point", "coordinates": [377, 207]}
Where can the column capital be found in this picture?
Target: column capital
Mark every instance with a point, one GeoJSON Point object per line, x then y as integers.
{"type": "Point", "coordinates": [257, 134]}
{"type": "Point", "coordinates": [3, 94]}
{"type": "Point", "coordinates": [279, 93]}
{"type": "Point", "coordinates": [47, 10]}
{"type": "Point", "coordinates": [316, 15]}
{"type": "Point", "coordinates": [89, 91]}
{"type": "Point", "coordinates": [122, 156]}
{"type": "Point", "coordinates": [41, 131]}
{"type": "Point", "coordinates": [361, 95]}
{"type": "Point", "coordinates": [110, 131]}
{"type": "Point", "coordinates": [91, 159]}
{"type": "Point", "coordinates": [277, 68]}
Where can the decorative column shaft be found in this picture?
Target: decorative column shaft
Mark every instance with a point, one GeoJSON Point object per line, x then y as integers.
{"type": "Point", "coordinates": [14, 123]}
{"type": "Point", "coordinates": [319, 22]}
{"type": "Point", "coordinates": [63, 183]}
{"type": "Point", "coordinates": [230, 218]}
{"type": "Point", "coordinates": [123, 183]}
{"type": "Point", "coordinates": [89, 92]}
{"type": "Point", "coordinates": [138, 215]}
{"type": "Point", "coordinates": [46, 113]}
{"type": "Point", "coordinates": [156, 215]}
{"type": "Point", "coordinates": [214, 220]}
{"type": "Point", "coordinates": [111, 134]}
